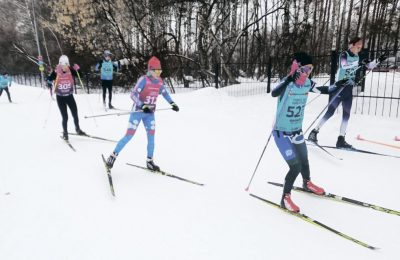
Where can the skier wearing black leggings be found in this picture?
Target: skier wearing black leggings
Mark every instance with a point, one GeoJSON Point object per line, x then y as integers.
{"type": "Point", "coordinates": [64, 88]}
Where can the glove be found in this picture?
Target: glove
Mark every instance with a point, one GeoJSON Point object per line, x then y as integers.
{"type": "Point", "coordinates": [294, 76]}
{"type": "Point", "coordinates": [294, 72]}
{"type": "Point", "coordinates": [365, 61]}
{"type": "Point", "coordinates": [382, 58]}
{"type": "Point", "coordinates": [341, 83]}
{"type": "Point", "coordinates": [174, 107]}
{"type": "Point", "coordinates": [146, 108]}
{"type": "Point", "coordinates": [76, 67]}
{"type": "Point", "coordinates": [344, 83]}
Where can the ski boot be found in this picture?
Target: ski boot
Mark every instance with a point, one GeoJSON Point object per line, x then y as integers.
{"type": "Point", "coordinates": [341, 143]}
{"type": "Point", "coordinates": [65, 136]}
{"type": "Point", "coordinates": [80, 132]}
{"type": "Point", "coordinates": [151, 165]}
{"type": "Point", "coordinates": [288, 204]}
{"type": "Point", "coordinates": [111, 159]}
{"type": "Point", "coordinates": [313, 136]}
{"type": "Point", "coordinates": [110, 106]}
{"type": "Point", "coordinates": [309, 186]}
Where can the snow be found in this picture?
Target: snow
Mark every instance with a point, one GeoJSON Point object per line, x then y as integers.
{"type": "Point", "coordinates": [56, 203]}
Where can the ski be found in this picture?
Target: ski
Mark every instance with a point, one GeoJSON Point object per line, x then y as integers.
{"type": "Point", "coordinates": [323, 149]}
{"type": "Point", "coordinates": [68, 143]}
{"type": "Point", "coordinates": [343, 199]}
{"type": "Point", "coordinates": [95, 137]}
{"type": "Point", "coordinates": [360, 151]}
{"type": "Point", "coordinates": [166, 174]}
{"type": "Point", "coordinates": [316, 222]}
{"type": "Point", "coordinates": [110, 182]}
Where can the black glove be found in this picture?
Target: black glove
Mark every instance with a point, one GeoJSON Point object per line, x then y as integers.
{"type": "Point", "coordinates": [342, 83]}
{"type": "Point", "coordinates": [382, 58]}
{"type": "Point", "coordinates": [146, 109]}
{"type": "Point", "coordinates": [293, 77]}
{"type": "Point", "coordinates": [174, 107]}
{"type": "Point", "coordinates": [365, 61]}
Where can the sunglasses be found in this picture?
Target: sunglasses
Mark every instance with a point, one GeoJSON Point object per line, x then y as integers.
{"type": "Point", "coordinates": [306, 69]}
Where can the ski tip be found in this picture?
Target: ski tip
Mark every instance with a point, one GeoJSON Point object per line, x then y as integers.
{"type": "Point", "coordinates": [359, 137]}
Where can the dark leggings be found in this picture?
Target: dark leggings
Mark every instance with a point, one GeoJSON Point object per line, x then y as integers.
{"type": "Point", "coordinates": [107, 84]}
{"type": "Point", "coordinates": [62, 103]}
{"type": "Point", "coordinates": [294, 151]}
{"type": "Point", "coordinates": [347, 101]}
{"type": "Point", "coordinates": [7, 91]}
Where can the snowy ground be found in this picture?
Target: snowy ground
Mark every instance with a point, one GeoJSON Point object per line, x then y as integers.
{"type": "Point", "coordinates": [56, 203]}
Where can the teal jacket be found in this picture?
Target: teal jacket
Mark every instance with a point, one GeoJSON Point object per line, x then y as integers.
{"type": "Point", "coordinates": [5, 81]}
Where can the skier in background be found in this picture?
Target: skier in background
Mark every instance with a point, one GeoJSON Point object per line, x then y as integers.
{"type": "Point", "coordinates": [107, 68]}
{"type": "Point", "coordinates": [144, 96]}
{"type": "Point", "coordinates": [349, 63]}
{"type": "Point", "coordinates": [64, 89]}
{"type": "Point", "coordinates": [5, 83]}
{"type": "Point", "coordinates": [292, 93]}
{"type": "Point", "coordinates": [49, 82]}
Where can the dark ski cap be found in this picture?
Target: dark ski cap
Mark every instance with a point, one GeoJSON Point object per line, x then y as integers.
{"type": "Point", "coordinates": [303, 58]}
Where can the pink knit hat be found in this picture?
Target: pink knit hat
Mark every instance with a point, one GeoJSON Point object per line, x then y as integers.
{"type": "Point", "coordinates": [154, 64]}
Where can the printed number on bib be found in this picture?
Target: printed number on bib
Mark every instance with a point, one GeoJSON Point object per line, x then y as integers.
{"type": "Point", "coordinates": [64, 86]}
{"type": "Point", "coordinates": [294, 111]}
{"type": "Point", "coordinates": [150, 100]}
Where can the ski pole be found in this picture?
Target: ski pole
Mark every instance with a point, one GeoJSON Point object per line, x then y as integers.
{"type": "Point", "coordinates": [90, 106]}
{"type": "Point", "coordinates": [337, 94]}
{"type": "Point", "coordinates": [123, 113]}
{"type": "Point", "coordinates": [265, 147]}
{"type": "Point", "coordinates": [259, 160]}
{"type": "Point", "coordinates": [323, 110]}
{"type": "Point", "coordinates": [312, 100]}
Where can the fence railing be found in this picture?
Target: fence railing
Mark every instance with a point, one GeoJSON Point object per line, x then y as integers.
{"type": "Point", "coordinates": [377, 94]}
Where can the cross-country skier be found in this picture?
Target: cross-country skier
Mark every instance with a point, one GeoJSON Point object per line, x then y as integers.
{"type": "Point", "coordinates": [349, 63]}
{"type": "Point", "coordinates": [49, 82]}
{"type": "Point", "coordinates": [64, 89]}
{"type": "Point", "coordinates": [292, 95]}
{"type": "Point", "coordinates": [107, 68]}
{"type": "Point", "coordinates": [144, 96]}
{"type": "Point", "coordinates": [5, 83]}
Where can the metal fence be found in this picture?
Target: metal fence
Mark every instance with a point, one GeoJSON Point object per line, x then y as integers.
{"type": "Point", "coordinates": [376, 94]}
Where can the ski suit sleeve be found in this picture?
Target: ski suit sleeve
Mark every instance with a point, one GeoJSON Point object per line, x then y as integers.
{"type": "Point", "coordinates": [322, 89]}
{"type": "Point", "coordinates": [52, 76]}
{"type": "Point", "coordinates": [165, 94]}
{"type": "Point", "coordinates": [140, 85]}
{"type": "Point", "coordinates": [74, 72]}
{"type": "Point", "coordinates": [98, 66]}
{"type": "Point", "coordinates": [329, 89]}
{"type": "Point", "coordinates": [343, 61]}
{"type": "Point", "coordinates": [278, 90]}
{"type": "Point", "coordinates": [117, 65]}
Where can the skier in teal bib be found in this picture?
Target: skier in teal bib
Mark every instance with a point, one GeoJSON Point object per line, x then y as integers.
{"type": "Point", "coordinates": [5, 83]}
{"type": "Point", "coordinates": [292, 95]}
{"type": "Point", "coordinates": [107, 68]}
{"type": "Point", "coordinates": [349, 63]}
